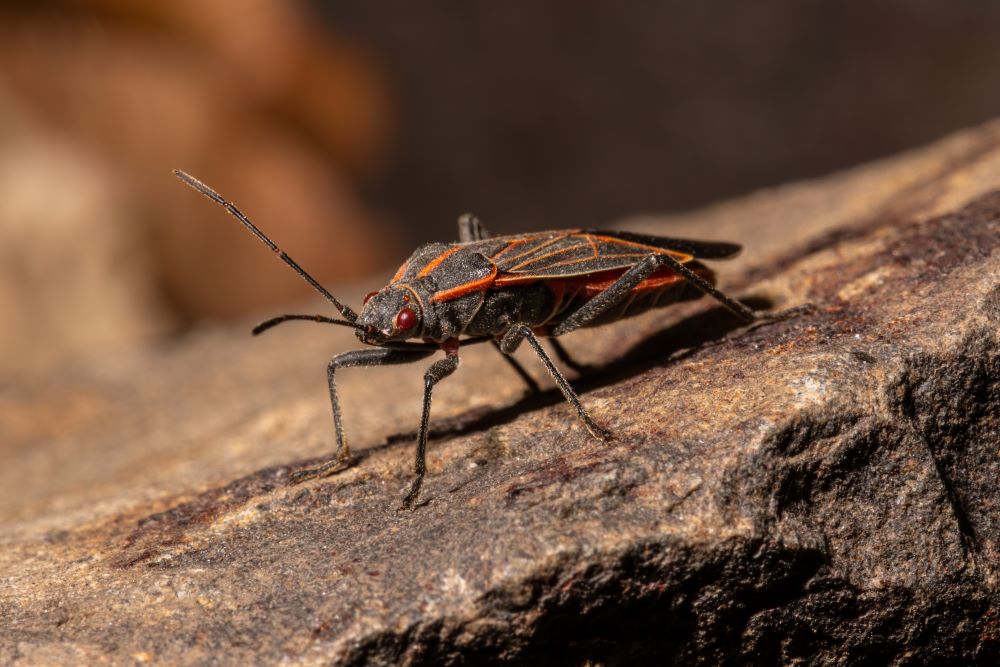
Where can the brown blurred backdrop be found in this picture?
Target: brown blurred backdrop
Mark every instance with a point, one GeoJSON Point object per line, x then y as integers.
{"type": "Point", "coordinates": [351, 131]}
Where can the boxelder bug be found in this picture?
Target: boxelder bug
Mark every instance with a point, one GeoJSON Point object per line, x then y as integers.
{"type": "Point", "coordinates": [504, 289]}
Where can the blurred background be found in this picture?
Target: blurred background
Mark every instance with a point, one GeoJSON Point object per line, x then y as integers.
{"type": "Point", "coordinates": [352, 131]}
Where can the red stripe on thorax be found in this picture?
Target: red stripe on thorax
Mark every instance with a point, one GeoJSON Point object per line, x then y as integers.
{"type": "Point", "coordinates": [478, 285]}
{"type": "Point", "coordinates": [434, 263]}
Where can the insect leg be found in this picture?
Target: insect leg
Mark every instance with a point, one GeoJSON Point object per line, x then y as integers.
{"type": "Point", "coordinates": [621, 288]}
{"type": "Point", "coordinates": [732, 305]}
{"type": "Point", "coordinates": [616, 293]}
{"type": "Point", "coordinates": [566, 358]}
{"type": "Point", "coordinates": [519, 369]}
{"type": "Point", "coordinates": [438, 371]}
{"type": "Point", "coordinates": [512, 339]}
{"type": "Point", "coordinates": [471, 228]}
{"type": "Point", "coordinates": [370, 357]}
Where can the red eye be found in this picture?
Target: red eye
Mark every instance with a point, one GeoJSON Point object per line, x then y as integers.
{"type": "Point", "coordinates": [369, 296]}
{"type": "Point", "coordinates": [406, 319]}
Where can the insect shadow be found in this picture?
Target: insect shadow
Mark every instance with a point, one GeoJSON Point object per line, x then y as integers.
{"type": "Point", "coordinates": [686, 337]}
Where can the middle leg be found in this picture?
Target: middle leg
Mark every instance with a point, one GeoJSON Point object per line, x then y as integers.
{"type": "Point", "coordinates": [510, 342]}
{"type": "Point", "coordinates": [438, 371]}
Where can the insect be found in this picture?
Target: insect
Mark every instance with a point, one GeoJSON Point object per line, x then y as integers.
{"type": "Point", "coordinates": [505, 290]}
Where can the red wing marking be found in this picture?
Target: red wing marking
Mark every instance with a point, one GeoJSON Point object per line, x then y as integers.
{"type": "Point", "coordinates": [571, 262]}
{"type": "Point", "coordinates": [682, 257]}
{"type": "Point", "coordinates": [478, 285]}
{"type": "Point", "coordinates": [534, 249]}
{"type": "Point", "coordinates": [575, 254]}
{"type": "Point", "coordinates": [509, 246]}
{"type": "Point", "coordinates": [561, 251]}
{"type": "Point", "coordinates": [509, 279]}
{"type": "Point", "coordinates": [591, 284]}
{"type": "Point", "coordinates": [434, 263]}
{"type": "Point", "coordinates": [634, 255]}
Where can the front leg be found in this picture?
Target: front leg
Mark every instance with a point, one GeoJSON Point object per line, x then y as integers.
{"type": "Point", "coordinates": [510, 342]}
{"type": "Point", "coordinates": [438, 371]}
{"type": "Point", "coordinates": [368, 357]}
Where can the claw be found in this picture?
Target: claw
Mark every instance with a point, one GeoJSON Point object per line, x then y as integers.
{"type": "Point", "coordinates": [412, 494]}
{"type": "Point", "coordinates": [602, 434]}
{"type": "Point", "coordinates": [768, 317]}
{"type": "Point", "coordinates": [331, 467]}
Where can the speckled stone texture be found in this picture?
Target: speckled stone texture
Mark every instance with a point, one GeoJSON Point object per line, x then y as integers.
{"type": "Point", "coordinates": [821, 490]}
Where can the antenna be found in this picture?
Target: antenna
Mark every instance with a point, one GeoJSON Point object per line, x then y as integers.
{"type": "Point", "coordinates": [275, 321]}
{"type": "Point", "coordinates": [245, 221]}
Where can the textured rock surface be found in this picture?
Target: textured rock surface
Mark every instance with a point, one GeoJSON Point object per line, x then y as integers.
{"type": "Point", "coordinates": [821, 489]}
